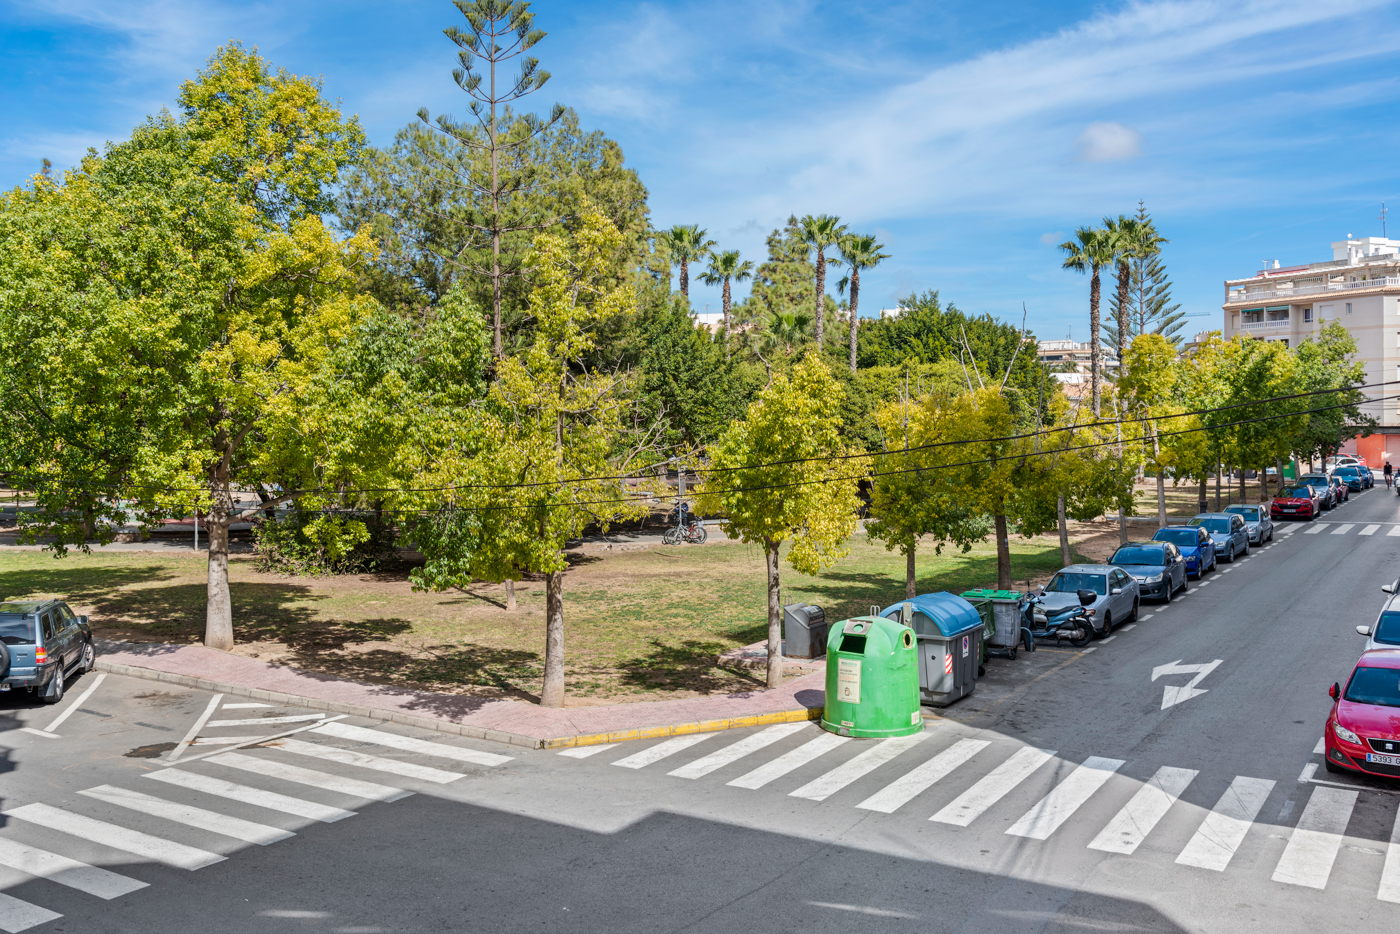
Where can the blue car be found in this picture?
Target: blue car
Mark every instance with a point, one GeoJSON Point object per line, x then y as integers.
{"type": "Point", "coordinates": [1356, 478]}
{"type": "Point", "coordinates": [1195, 545]}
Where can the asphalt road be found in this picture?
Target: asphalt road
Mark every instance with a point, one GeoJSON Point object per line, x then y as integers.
{"type": "Point", "coordinates": [1061, 797]}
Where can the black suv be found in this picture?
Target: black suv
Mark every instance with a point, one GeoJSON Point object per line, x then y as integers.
{"type": "Point", "coordinates": [40, 642]}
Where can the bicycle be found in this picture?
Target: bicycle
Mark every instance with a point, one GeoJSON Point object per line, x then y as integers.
{"type": "Point", "coordinates": [692, 533]}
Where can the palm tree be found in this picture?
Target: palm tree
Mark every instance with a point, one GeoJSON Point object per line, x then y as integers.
{"type": "Point", "coordinates": [685, 242]}
{"type": "Point", "coordinates": [1135, 239]}
{"type": "Point", "coordinates": [860, 251]}
{"type": "Point", "coordinates": [725, 268]}
{"type": "Point", "coordinates": [1091, 249]}
{"type": "Point", "coordinates": [820, 232]}
{"type": "Point", "coordinates": [784, 332]}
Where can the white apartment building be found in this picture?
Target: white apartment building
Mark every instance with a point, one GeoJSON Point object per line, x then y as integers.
{"type": "Point", "coordinates": [1360, 287]}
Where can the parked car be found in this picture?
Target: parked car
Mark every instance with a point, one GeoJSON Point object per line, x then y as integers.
{"type": "Point", "coordinates": [1343, 491]}
{"type": "Point", "coordinates": [1256, 522]}
{"type": "Point", "coordinates": [1324, 485]}
{"type": "Point", "coordinates": [40, 642]}
{"type": "Point", "coordinates": [1356, 477]}
{"type": "Point", "coordinates": [1158, 568]}
{"type": "Point", "coordinates": [1298, 502]}
{"type": "Point", "coordinates": [1195, 545]}
{"type": "Point", "coordinates": [1363, 729]}
{"type": "Point", "coordinates": [1115, 588]}
{"type": "Point", "coordinates": [1385, 632]}
{"type": "Point", "coordinates": [1341, 460]}
{"type": "Point", "coordinates": [1227, 531]}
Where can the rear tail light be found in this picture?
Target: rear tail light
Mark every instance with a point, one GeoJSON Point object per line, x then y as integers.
{"type": "Point", "coordinates": [41, 655]}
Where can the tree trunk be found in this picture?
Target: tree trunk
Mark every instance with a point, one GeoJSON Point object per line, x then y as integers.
{"type": "Point", "coordinates": [1124, 275]}
{"type": "Point", "coordinates": [1161, 480]}
{"type": "Point", "coordinates": [1219, 469]}
{"type": "Point", "coordinates": [909, 588]}
{"type": "Point", "coordinates": [821, 292]}
{"type": "Point", "coordinates": [726, 316]}
{"type": "Point", "coordinates": [1003, 552]}
{"type": "Point", "coordinates": [89, 523]}
{"type": "Point", "coordinates": [510, 594]}
{"type": "Point", "coordinates": [1264, 485]}
{"type": "Point", "coordinates": [1122, 526]}
{"type": "Point", "coordinates": [218, 611]}
{"type": "Point", "coordinates": [1095, 362]}
{"type": "Point", "coordinates": [685, 279]}
{"type": "Point", "coordinates": [1244, 492]}
{"type": "Point", "coordinates": [775, 617]}
{"type": "Point", "coordinates": [855, 305]}
{"type": "Point", "coordinates": [1202, 503]}
{"type": "Point", "coordinates": [552, 695]}
{"type": "Point", "coordinates": [1065, 557]}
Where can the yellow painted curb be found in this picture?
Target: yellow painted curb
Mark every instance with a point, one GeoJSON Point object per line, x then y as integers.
{"type": "Point", "coordinates": [680, 729]}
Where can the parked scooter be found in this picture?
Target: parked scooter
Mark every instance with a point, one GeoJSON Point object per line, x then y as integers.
{"type": "Point", "coordinates": [1071, 623]}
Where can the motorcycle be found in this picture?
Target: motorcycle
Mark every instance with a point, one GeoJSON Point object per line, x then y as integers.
{"type": "Point", "coordinates": [1071, 623]}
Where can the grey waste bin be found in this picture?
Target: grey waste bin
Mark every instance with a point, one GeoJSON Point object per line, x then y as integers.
{"type": "Point", "coordinates": [804, 631]}
{"type": "Point", "coordinates": [949, 630]}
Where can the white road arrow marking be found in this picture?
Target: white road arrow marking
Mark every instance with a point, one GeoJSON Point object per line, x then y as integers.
{"type": "Point", "coordinates": [1173, 695]}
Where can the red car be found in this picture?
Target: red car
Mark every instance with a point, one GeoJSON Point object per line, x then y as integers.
{"type": "Point", "coordinates": [1297, 502]}
{"type": "Point", "coordinates": [1343, 491]}
{"type": "Point", "coordinates": [1363, 730]}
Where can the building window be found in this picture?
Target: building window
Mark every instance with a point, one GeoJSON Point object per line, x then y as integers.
{"type": "Point", "coordinates": [1348, 307]}
{"type": "Point", "coordinates": [1307, 315]}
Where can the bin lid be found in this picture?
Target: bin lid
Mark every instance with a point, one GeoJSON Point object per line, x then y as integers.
{"type": "Point", "coordinates": [938, 614]}
{"type": "Point", "coordinates": [1010, 595]}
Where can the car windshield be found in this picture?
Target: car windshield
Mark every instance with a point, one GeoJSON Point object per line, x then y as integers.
{"type": "Point", "coordinates": [1375, 686]}
{"type": "Point", "coordinates": [1137, 554]}
{"type": "Point", "coordinates": [1388, 629]}
{"type": "Point", "coordinates": [1249, 512]}
{"type": "Point", "coordinates": [1215, 525]}
{"type": "Point", "coordinates": [16, 629]}
{"type": "Point", "coordinates": [1298, 492]}
{"type": "Point", "coordinates": [1317, 481]}
{"type": "Point", "coordinates": [1069, 582]}
{"type": "Point", "coordinates": [1181, 538]}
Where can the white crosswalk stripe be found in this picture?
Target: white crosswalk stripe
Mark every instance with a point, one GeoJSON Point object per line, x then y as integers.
{"type": "Point", "coordinates": [1130, 826]}
{"type": "Point", "coordinates": [905, 788]}
{"type": "Point", "coordinates": [247, 794]}
{"type": "Point", "coordinates": [1394, 532]}
{"type": "Point", "coordinates": [795, 758]}
{"type": "Point", "coordinates": [824, 786]}
{"type": "Point", "coordinates": [661, 750]}
{"type": "Point", "coordinates": [736, 751]}
{"type": "Point", "coordinates": [583, 752]}
{"type": "Point", "coordinates": [1060, 804]}
{"type": "Point", "coordinates": [102, 883]}
{"type": "Point", "coordinates": [1390, 875]}
{"type": "Point", "coordinates": [1221, 833]}
{"type": "Point", "coordinates": [410, 744]}
{"type": "Point", "coordinates": [212, 821]}
{"type": "Point", "coordinates": [263, 721]}
{"type": "Point", "coordinates": [17, 915]}
{"type": "Point", "coordinates": [1312, 849]}
{"type": "Point", "coordinates": [968, 806]}
{"type": "Point", "coordinates": [295, 773]}
{"type": "Point", "coordinates": [1344, 528]}
{"type": "Point", "coordinates": [1315, 528]}
{"type": "Point", "coordinates": [1369, 530]}
{"type": "Point", "coordinates": [118, 838]}
{"type": "Point", "coordinates": [361, 760]}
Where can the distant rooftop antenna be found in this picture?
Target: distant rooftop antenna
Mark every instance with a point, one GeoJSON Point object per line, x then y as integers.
{"type": "Point", "coordinates": [1382, 219]}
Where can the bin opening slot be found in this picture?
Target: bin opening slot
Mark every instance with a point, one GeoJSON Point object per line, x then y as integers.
{"type": "Point", "coordinates": [853, 643]}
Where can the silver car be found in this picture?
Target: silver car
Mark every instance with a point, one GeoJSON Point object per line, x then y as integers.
{"type": "Point", "coordinates": [1227, 531]}
{"type": "Point", "coordinates": [1385, 633]}
{"type": "Point", "coordinates": [1257, 523]}
{"type": "Point", "coordinates": [1117, 594]}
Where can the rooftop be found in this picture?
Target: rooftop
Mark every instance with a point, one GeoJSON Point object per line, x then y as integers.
{"type": "Point", "coordinates": [1357, 263]}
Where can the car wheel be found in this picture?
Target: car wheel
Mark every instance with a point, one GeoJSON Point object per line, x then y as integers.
{"type": "Point", "coordinates": [1107, 629]}
{"type": "Point", "coordinates": [1230, 556]}
{"type": "Point", "coordinates": [1133, 617]}
{"type": "Point", "coordinates": [1271, 534]}
{"type": "Point", "coordinates": [1336, 769]}
{"type": "Point", "coordinates": [1168, 598]}
{"type": "Point", "coordinates": [89, 661]}
{"type": "Point", "coordinates": [55, 693]}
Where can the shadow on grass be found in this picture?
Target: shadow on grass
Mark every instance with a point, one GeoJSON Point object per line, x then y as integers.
{"type": "Point", "coordinates": [78, 584]}
{"type": "Point", "coordinates": [689, 666]}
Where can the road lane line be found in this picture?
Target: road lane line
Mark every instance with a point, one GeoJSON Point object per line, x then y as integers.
{"type": "Point", "coordinates": [268, 738]}
{"type": "Point", "coordinates": [77, 702]}
{"type": "Point", "coordinates": [242, 706]}
{"type": "Point", "coordinates": [1224, 829]}
{"type": "Point", "coordinates": [903, 789]}
{"type": "Point", "coordinates": [365, 761]}
{"type": "Point", "coordinates": [118, 838]}
{"type": "Point", "coordinates": [583, 752]}
{"type": "Point", "coordinates": [223, 740]}
{"type": "Point", "coordinates": [1145, 617]}
{"type": "Point", "coordinates": [353, 787]}
{"type": "Point", "coordinates": [423, 746]}
{"type": "Point", "coordinates": [792, 759]}
{"type": "Point", "coordinates": [1308, 771]}
{"type": "Point", "coordinates": [1394, 532]}
{"type": "Point", "coordinates": [255, 721]}
{"type": "Point", "coordinates": [824, 786]}
{"type": "Point", "coordinates": [661, 750]}
{"type": "Point", "coordinates": [1321, 746]}
{"type": "Point", "coordinates": [1130, 625]}
{"type": "Point", "coordinates": [17, 915]}
{"type": "Point", "coordinates": [1344, 528]}
{"type": "Point", "coordinates": [212, 821]}
{"type": "Point", "coordinates": [271, 800]}
{"type": "Point", "coordinates": [1315, 528]}
{"type": "Point", "coordinates": [184, 744]}
{"type": "Point", "coordinates": [36, 862]}
{"type": "Point", "coordinates": [1130, 826]}
{"type": "Point", "coordinates": [994, 786]}
{"type": "Point", "coordinates": [1369, 530]}
{"type": "Point", "coordinates": [1108, 640]}
{"type": "Point", "coordinates": [736, 751]}
{"type": "Point", "coordinates": [1311, 851]}
{"type": "Point", "coordinates": [1390, 876]}
{"type": "Point", "coordinates": [1055, 808]}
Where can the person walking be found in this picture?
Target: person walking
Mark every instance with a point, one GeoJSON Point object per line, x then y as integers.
{"type": "Point", "coordinates": [1389, 472]}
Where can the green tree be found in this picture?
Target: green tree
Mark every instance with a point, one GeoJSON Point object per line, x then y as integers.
{"type": "Point", "coordinates": [1326, 365]}
{"type": "Point", "coordinates": [858, 251]}
{"type": "Point", "coordinates": [1091, 249]}
{"type": "Point", "coordinates": [784, 474]}
{"type": "Point", "coordinates": [819, 232]}
{"type": "Point", "coordinates": [1148, 390]}
{"type": "Point", "coordinates": [1150, 307]}
{"type": "Point", "coordinates": [726, 267]}
{"type": "Point", "coordinates": [685, 244]}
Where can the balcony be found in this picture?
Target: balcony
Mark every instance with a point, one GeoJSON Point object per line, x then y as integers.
{"type": "Point", "coordinates": [1264, 325]}
{"type": "Point", "coordinates": [1376, 283]}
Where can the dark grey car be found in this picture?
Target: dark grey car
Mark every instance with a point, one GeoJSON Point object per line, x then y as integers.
{"type": "Point", "coordinates": [1158, 568]}
{"type": "Point", "coordinates": [1228, 532]}
{"type": "Point", "coordinates": [41, 641]}
{"type": "Point", "coordinates": [1256, 522]}
{"type": "Point", "coordinates": [1116, 590]}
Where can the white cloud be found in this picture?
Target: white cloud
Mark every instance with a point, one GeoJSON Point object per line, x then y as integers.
{"type": "Point", "coordinates": [1053, 238]}
{"type": "Point", "coordinates": [1108, 142]}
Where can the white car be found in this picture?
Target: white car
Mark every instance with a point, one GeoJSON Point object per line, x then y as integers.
{"type": "Point", "coordinates": [1385, 632]}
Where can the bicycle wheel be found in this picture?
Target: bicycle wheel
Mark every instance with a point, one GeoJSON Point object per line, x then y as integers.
{"type": "Point", "coordinates": [671, 536]}
{"type": "Point", "coordinates": [696, 534]}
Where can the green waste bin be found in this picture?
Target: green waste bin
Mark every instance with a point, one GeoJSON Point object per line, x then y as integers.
{"type": "Point", "coordinates": [983, 607]}
{"type": "Point", "coordinates": [872, 679]}
{"type": "Point", "coordinates": [1006, 615]}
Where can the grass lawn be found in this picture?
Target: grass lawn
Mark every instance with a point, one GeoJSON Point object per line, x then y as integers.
{"type": "Point", "coordinates": [639, 625]}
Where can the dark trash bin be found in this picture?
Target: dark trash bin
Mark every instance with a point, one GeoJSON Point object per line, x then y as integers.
{"type": "Point", "coordinates": [949, 631]}
{"type": "Point", "coordinates": [804, 631]}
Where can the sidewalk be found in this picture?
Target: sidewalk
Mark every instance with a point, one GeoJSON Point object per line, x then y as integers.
{"type": "Point", "coordinates": [507, 721]}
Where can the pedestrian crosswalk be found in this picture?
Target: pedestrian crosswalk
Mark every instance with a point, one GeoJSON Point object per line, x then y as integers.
{"type": "Point", "coordinates": [1328, 527]}
{"type": "Point", "coordinates": [180, 819]}
{"type": "Point", "coordinates": [996, 783]}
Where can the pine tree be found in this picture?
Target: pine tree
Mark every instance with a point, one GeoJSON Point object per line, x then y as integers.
{"type": "Point", "coordinates": [1150, 308]}
{"type": "Point", "coordinates": [783, 283]}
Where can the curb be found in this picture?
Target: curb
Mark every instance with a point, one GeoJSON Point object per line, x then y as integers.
{"type": "Point", "coordinates": [459, 729]}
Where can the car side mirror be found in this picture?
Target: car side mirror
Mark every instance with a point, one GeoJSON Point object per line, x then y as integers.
{"type": "Point", "coordinates": [1364, 630]}
{"type": "Point", "coordinates": [1334, 690]}
{"type": "Point", "coordinates": [1115, 591]}
{"type": "Point", "coordinates": [1387, 588]}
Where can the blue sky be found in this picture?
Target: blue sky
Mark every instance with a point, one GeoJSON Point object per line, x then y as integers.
{"type": "Point", "coordinates": [970, 137]}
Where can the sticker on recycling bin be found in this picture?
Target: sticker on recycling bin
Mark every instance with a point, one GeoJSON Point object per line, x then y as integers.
{"type": "Point", "coordinates": [964, 646]}
{"type": "Point", "coordinates": [848, 680]}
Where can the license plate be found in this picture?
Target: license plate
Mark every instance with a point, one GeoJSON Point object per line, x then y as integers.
{"type": "Point", "coordinates": [1382, 760]}
{"type": "Point", "coordinates": [4, 687]}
